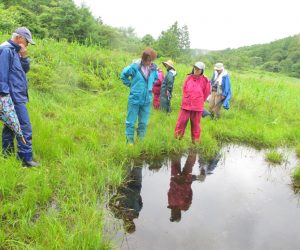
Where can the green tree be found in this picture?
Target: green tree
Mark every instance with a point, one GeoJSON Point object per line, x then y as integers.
{"type": "Point", "coordinates": [296, 69]}
{"type": "Point", "coordinates": [148, 40]}
{"type": "Point", "coordinates": [295, 56]}
{"type": "Point", "coordinates": [174, 42]}
{"type": "Point", "coordinates": [168, 45]}
{"type": "Point", "coordinates": [256, 61]}
{"type": "Point", "coordinates": [286, 65]}
{"type": "Point", "coordinates": [272, 66]}
{"type": "Point", "coordinates": [184, 38]}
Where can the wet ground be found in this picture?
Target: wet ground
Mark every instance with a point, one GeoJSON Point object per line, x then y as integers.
{"type": "Point", "coordinates": [238, 201]}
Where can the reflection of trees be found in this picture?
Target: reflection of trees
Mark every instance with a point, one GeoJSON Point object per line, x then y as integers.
{"type": "Point", "coordinates": [180, 193]}
{"type": "Point", "coordinates": [127, 203]}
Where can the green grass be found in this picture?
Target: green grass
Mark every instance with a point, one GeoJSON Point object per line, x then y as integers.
{"type": "Point", "coordinates": [274, 157]}
{"type": "Point", "coordinates": [298, 150]}
{"type": "Point", "coordinates": [78, 108]}
{"type": "Point", "coordinates": [296, 173]}
{"type": "Point", "coordinates": [296, 180]}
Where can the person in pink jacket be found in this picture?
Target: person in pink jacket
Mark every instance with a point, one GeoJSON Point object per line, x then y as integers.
{"type": "Point", "coordinates": [156, 88]}
{"type": "Point", "coordinates": [196, 89]}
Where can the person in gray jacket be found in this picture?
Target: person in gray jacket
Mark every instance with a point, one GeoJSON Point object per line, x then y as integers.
{"type": "Point", "coordinates": [167, 87]}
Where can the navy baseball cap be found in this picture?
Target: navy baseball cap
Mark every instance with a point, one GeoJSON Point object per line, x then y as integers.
{"type": "Point", "coordinates": [23, 31]}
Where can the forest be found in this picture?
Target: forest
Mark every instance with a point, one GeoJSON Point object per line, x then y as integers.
{"type": "Point", "coordinates": [62, 19]}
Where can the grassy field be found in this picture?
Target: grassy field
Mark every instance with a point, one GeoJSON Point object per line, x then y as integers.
{"type": "Point", "coordinates": [78, 109]}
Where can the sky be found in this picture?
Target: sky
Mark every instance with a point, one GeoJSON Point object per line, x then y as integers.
{"type": "Point", "coordinates": [212, 24]}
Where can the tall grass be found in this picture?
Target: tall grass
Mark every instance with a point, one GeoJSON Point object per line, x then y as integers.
{"type": "Point", "coordinates": [78, 108]}
{"type": "Point", "coordinates": [274, 157]}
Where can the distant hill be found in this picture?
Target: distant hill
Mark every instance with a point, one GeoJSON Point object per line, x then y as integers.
{"type": "Point", "coordinates": [63, 20]}
{"type": "Point", "coordinates": [278, 56]}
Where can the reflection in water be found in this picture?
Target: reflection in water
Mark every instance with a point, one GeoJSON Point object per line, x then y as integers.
{"type": "Point", "coordinates": [127, 203]}
{"type": "Point", "coordinates": [156, 164]}
{"type": "Point", "coordinates": [180, 193]}
{"type": "Point", "coordinates": [296, 186]}
{"type": "Point", "coordinates": [207, 169]}
{"type": "Point", "coordinates": [237, 202]}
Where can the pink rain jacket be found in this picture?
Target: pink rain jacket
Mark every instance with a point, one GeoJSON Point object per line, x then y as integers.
{"type": "Point", "coordinates": [195, 91]}
{"type": "Point", "coordinates": [157, 84]}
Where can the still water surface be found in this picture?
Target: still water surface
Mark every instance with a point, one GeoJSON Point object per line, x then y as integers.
{"type": "Point", "coordinates": [238, 201]}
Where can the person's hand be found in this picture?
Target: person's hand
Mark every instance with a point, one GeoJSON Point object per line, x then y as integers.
{"type": "Point", "coordinates": [23, 51]}
{"type": "Point", "coordinates": [222, 97]}
{"type": "Point", "coordinates": [168, 93]}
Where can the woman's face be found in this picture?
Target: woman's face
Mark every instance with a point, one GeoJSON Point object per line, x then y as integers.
{"type": "Point", "coordinates": [197, 71]}
{"type": "Point", "coordinates": [147, 62]}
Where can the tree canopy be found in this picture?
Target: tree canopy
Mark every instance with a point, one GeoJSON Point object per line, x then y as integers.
{"type": "Point", "coordinates": [278, 56]}
{"type": "Point", "coordinates": [62, 19]}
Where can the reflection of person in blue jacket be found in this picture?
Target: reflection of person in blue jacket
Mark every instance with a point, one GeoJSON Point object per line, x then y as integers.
{"type": "Point", "coordinates": [139, 77]}
{"type": "Point", "coordinates": [127, 203]}
{"type": "Point", "coordinates": [220, 90]}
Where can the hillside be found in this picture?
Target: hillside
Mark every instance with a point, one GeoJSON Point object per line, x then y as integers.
{"type": "Point", "coordinates": [279, 56]}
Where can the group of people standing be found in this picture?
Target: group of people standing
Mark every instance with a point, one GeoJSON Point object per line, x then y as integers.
{"type": "Point", "coordinates": [143, 78]}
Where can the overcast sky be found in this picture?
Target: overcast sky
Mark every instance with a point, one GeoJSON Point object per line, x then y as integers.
{"type": "Point", "coordinates": [212, 24]}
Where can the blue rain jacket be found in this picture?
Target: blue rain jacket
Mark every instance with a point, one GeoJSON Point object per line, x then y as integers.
{"type": "Point", "coordinates": [226, 90]}
{"type": "Point", "coordinates": [13, 71]}
{"type": "Point", "coordinates": [140, 87]}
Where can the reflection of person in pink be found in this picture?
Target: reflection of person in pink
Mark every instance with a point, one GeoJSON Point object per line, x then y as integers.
{"type": "Point", "coordinates": [156, 88]}
{"type": "Point", "coordinates": [196, 89]}
{"type": "Point", "coordinates": [180, 193]}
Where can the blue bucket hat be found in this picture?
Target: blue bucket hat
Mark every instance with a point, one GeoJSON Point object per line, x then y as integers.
{"type": "Point", "coordinates": [23, 31]}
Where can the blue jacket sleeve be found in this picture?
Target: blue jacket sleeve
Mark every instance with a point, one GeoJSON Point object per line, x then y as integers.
{"type": "Point", "coordinates": [25, 62]}
{"type": "Point", "coordinates": [126, 75]}
{"type": "Point", "coordinates": [5, 59]}
{"type": "Point", "coordinates": [226, 86]}
{"type": "Point", "coordinates": [226, 92]}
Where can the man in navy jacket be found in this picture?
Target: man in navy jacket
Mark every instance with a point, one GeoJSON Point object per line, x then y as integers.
{"type": "Point", "coordinates": [15, 64]}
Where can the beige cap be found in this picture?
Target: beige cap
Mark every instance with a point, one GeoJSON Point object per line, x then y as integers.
{"type": "Point", "coordinates": [219, 66]}
{"type": "Point", "coordinates": [169, 63]}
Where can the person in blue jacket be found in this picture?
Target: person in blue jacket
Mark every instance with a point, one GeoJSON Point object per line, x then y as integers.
{"type": "Point", "coordinates": [139, 77]}
{"type": "Point", "coordinates": [220, 90]}
{"type": "Point", "coordinates": [15, 64]}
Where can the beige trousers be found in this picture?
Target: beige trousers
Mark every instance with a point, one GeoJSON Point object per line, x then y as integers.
{"type": "Point", "coordinates": [215, 104]}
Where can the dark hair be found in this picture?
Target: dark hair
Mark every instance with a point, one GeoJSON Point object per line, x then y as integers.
{"type": "Point", "coordinates": [175, 214]}
{"type": "Point", "coordinates": [149, 54]}
{"type": "Point", "coordinates": [192, 73]}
